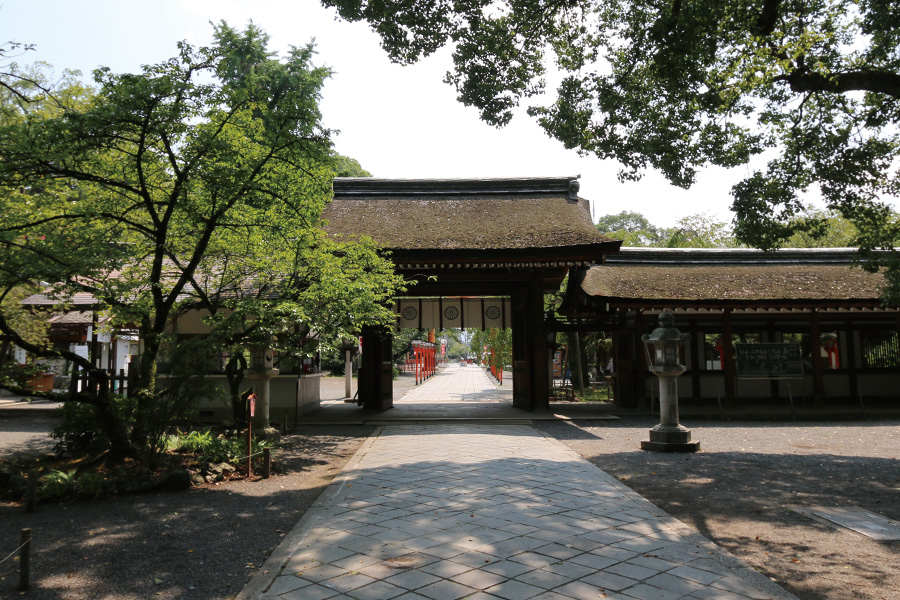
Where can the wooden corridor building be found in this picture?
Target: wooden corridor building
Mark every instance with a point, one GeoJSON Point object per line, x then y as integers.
{"type": "Point", "coordinates": [848, 342]}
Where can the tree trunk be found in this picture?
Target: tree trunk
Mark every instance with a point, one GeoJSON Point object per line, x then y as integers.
{"type": "Point", "coordinates": [146, 392]}
{"type": "Point", "coordinates": [234, 373]}
{"type": "Point", "coordinates": [113, 425]}
{"type": "Point", "coordinates": [4, 352]}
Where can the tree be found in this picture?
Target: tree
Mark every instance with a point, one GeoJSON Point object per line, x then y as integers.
{"type": "Point", "coordinates": [498, 343]}
{"type": "Point", "coordinates": [197, 183]}
{"type": "Point", "coordinates": [344, 166]}
{"type": "Point", "coordinates": [700, 231]}
{"type": "Point", "coordinates": [826, 229]}
{"type": "Point", "coordinates": [675, 86]}
{"type": "Point", "coordinates": [634, 229]}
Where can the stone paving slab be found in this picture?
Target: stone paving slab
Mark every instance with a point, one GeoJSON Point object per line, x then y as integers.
{"type": "Point", "coordinates": [457, 383]}
{"type": "Point", "coordinates": [443, 512]}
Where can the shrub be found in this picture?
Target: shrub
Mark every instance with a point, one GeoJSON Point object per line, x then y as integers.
{"type": "Point", "coordinates": [79, 433]}
{"type": "Point", "coordinates": [68, 484]}
{"type": "Point", "coordinates": [57, 484]}
{"type": "Point", "coordinates": [208, 447]}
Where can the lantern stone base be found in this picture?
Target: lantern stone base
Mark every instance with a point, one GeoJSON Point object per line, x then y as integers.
{"type": "Point", "coordinates": [669, 438]}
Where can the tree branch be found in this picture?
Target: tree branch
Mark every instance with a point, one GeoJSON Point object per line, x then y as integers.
{"type": "Point", "coordinates": [878, 82]}
{"type": "Point", "coordinates": [768, 18]}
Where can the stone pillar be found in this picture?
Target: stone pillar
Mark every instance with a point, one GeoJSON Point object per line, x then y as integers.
{"type": "Point", "coordinates": [261, 372]}
{"type": "Point", "coordinates": [348, 374]}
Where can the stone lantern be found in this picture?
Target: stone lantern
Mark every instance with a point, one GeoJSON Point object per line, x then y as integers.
{"type": "Point", "coordinates": [261, 371]}
{"type": "Point", "coordinates": [664, 348]}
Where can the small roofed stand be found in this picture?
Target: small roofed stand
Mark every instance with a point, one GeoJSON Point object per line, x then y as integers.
{"type": "Point", "coordinates": [664, 356]}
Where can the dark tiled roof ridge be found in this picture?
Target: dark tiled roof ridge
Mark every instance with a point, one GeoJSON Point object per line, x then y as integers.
{"type": "Point", "coordinates": [370, 186]}
{"type": "Point", "coordinates": [721, 256]}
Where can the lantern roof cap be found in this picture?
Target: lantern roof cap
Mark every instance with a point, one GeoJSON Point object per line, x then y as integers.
{"type": "Point", "coordinates": [665, 332]}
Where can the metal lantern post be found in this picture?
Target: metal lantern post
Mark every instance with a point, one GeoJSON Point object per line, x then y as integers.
{"type": "Point", "coordinates": [664, 349]}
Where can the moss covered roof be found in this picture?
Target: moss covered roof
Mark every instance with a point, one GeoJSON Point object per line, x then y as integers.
{"type": "Point", "coordinates": [747, 282]}
{"type": "Point", "coordinates": [462, 214]}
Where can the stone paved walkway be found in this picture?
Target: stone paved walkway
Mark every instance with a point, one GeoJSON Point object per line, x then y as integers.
{"type": "Point", "coordinates": [458, 383]}
{"type": "Point", "coordinates": [442, 512]}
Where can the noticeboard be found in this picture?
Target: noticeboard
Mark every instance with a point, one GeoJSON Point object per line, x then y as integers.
{"type": "Point", "coordinates": [769, 361]}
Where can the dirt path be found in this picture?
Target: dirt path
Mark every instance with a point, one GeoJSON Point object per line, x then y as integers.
{"type": "Point", "coordinates": [201, 544]}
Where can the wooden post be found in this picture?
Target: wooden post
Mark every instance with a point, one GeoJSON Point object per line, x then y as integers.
{"type": "Point", "coordinates": [774, 385]}
{"type": "Point", "coordinates": [815, 351]}
{"type": "Point", "coordinates": [640, 368]}
{"type": "Point", "coordinates": [539, 388]}
{"type": "Point", "coordinates": [267, 463]}
{"type": "Point", "coordinates": [728, 358]}
{"type": "Point", "coordinates": [848, 359]}
{"type": "Point", "coordinates": [249, 439]}
{"type": "Point", "coordinates": [697, 347]}
{"type": "Point", "coordinates": [25, 561]}
{"type": "Point", "coordinates": [73, 382]}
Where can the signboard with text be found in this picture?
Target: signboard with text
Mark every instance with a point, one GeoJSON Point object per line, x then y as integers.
{"type": "Point", "coordinates": [769, 361]}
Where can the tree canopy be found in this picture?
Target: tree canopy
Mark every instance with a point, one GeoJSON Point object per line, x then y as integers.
{"type": "Point", "coordinates": [197, 183]}
{"type": "Point", "coordinates": [694, 231]}
{"type": "Point", "coordinates": [633, 228]}
{"type": "Point", "coordinates": [810, 86]}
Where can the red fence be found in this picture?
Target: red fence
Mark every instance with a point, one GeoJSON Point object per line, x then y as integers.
{"type": "Point", "coordinates": [425, 360]}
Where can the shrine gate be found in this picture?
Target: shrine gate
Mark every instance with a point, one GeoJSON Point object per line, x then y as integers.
{"type": "Point", "coordinates": [483, 252]}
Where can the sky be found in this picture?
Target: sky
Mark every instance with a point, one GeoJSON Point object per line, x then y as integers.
{"type": "Point", "coordinates": [397, 121]}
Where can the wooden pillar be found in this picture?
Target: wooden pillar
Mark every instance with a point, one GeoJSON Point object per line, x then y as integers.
{"type": "Point", "coordinates": [623, 367]}
{"type": "Point", "coordinates": [521, 370]}
{"type": "Point", "coordinates": [774, 385]}
{"type": "Point", "coordinates": [848, 359]}
{"type": "Point", "coordinates": [697, 358]}
{"type": "Point", "coordinates": [815, 351]}
{"type": "Point", "coordinates": [640, 366]}
{"type": "Point", "coordinates": [531, 381]}
{"type": "Point", "coordinates": [539, 353]}
{"type": "Point", "coordinates": [376, 389]}
{"type": "Point", "coordinates": [94, 351]}
{"type": "Point", "coordinates": [728, 357]}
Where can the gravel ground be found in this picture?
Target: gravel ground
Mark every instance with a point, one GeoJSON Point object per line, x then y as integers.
{"type": "Point", "coordinates": [26, 436]}
{"type": "Point", "coordinates": [204, 543]}
{"type": "Point", "coordinates": [739, 492]}
{"type": "Point", "coordinates": [740, 489]}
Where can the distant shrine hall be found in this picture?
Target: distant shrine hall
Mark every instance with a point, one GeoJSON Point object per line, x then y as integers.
{"type": "Point", "coordinates": [484, 252]}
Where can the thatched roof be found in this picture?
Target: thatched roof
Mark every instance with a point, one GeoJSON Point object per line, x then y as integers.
{"type": "Point", "coordinates": [460, 214]}
{"type": "Point", "coordinates": [740, 275]}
